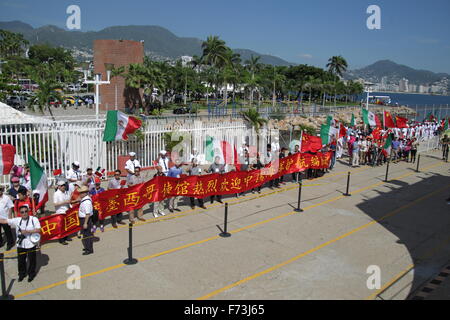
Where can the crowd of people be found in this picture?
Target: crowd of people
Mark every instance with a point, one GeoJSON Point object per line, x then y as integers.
{"type": "Point", "coordinates": [18, 205]}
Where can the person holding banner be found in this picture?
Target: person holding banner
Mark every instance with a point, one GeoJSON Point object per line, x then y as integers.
{"type": "Point", "coordinates": [158, 206]}
{"type": "Point", "coordinates": [114, 184]}
{"type": "Point", "coordinates": [216, 167]}
{"type": "Point", "coordinates": [134, 180]}
{"type": "Point", "coordinates": [195, 170]}
{"type": "Point", "coordinates": [28, 230]}
{"type": "Point", "coordinates": [175, 172]}
{"type": "Point", "coordinates": [61, 200]}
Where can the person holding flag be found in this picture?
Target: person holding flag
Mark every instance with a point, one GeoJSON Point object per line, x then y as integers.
{"type": "Point", "coordinates": [38, 182]}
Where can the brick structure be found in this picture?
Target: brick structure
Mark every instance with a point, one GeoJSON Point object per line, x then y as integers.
{"type": "Point", "coordinates": [120, 53]}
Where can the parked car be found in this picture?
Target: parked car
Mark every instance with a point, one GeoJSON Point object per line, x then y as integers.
{"type": "Point", "coordinates": [181, 110]}
{"type": "Point", "coordinates": [54, 102]}
{"type": "Point", "coordinates": [17, 102]}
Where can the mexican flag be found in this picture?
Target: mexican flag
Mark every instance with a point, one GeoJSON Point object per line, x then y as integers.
{"type": "Point", "coordinates": [327, 131]}
{"type": "Point", "coordinates": [388, 143]}
{"type": "Point", "coordinates": [38, 181]}
{"type": "Point", "coordinates": [446, 125]}
{"type": "Point", "coordinates": [119, 126]}
{"type": "Point", "coordinates": [370, 118]}
{"type": "Point", "coordinates": [7, 153]}
{"type": "Point", "coordinates": [217, 148]}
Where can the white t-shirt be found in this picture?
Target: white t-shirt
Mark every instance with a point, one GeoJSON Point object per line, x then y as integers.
{"type": "Point", "coordinates": [5, 204]}
{"type": "Point", "coordinates": [20, 224]}
{"type": "Point", "coordinates": [164, 163]}
{"type": "Point", "coordinates": [131, 164]}
{"type": "Point", "coordinates": [86, 208]}
{"type": "Point", "coordinates": [73, 174]}
{"type": "Point", "coordinates": [59, 197]}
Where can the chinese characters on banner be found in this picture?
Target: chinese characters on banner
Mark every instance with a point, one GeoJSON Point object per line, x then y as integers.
{"type": "Point", "coordinates": [112, 202]}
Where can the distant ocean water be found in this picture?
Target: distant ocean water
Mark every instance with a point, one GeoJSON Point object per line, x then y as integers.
{"type": "Point", "coordinates": [423, 103]}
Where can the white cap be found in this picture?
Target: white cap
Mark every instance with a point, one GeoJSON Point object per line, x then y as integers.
{"type": "Point", "coordinates": [76, 163]}
{"type": "Point", "coordinates": [36, 192]}
{"type": "Point", "coordinates": [60, 183]}
{"type": "Point", "coordinates": [163, 152]}
{"type": "Point", "coordinates": [132, 154]}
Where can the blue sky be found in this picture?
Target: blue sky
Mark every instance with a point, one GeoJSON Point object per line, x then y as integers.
{"type": "Point", "coordinates": [413, 32]}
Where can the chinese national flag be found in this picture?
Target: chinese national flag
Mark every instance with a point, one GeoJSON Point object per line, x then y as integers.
{"type": "Point", "coordinates": [401, 122]}
{"type": "Point", "coordinates": [342, 131]}
{"type": "Point", "coordinates": [388, 121]}
{"type": "Point", "coordinates": [311, 143]}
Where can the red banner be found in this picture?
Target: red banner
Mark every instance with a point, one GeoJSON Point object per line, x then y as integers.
{"type": "Point", "coordinates": [112, 202]}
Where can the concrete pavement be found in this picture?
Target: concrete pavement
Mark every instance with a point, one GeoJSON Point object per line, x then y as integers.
{"type": "Point", "coordinates": [274, 252]}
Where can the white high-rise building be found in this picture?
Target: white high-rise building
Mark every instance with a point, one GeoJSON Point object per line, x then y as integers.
{"type": "Point", "coordinates": [403, 85]}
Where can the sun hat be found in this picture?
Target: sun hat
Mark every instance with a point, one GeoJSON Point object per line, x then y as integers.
{"type": "Point", "coordinates": [76, 163]}
{"type": "Point", "coordinates": [163, 152]}
{"type": "Point", "coordinates": [15, 179]}
{"type": "Point", "coordinates": [83, 189]}
{"type": "Point", "coordinates": [132, 154]}
{"type": "Point", "coordinates": [61, 183]}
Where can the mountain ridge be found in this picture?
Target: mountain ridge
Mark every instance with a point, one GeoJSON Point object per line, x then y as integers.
{"type": "Point", "coordinates": [157, 40]}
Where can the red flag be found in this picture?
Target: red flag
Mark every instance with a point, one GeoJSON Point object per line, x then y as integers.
{"type": "Point", "coordinates": [57, 172]}
{"type": "Point", "coordinates": [7, 153]}
{"type": "Point", "coordinates": [401, 122]}
{"type": "Point", "coordinates": [311, 143]}
{"type": "Point", "coordinates": [376, 134]}
{"type": "Point", "coordinates": [388, 121]}
{"type": "Point", "coordinates": [342, 131]}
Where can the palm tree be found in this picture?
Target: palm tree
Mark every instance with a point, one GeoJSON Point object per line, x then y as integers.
{"type": "Point", "coordinates": [45, 77]}
{"type": "Point", "coordinates": [337, 65]}
{"type": "Point", "coordinates": [216, 55]}
{"type": "Point", "coordinates": [253, 67]}
{"type": "Point", "coordinates": [253, 117]}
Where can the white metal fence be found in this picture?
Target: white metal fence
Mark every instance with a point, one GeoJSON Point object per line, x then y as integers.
{"type": "Point", "coordinates": [426, 145]}
{"type": "Point", "coordinates": [57, 145]}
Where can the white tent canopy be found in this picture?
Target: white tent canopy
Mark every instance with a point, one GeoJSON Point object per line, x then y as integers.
{"type": "Point", "coordinates": [9, 115]}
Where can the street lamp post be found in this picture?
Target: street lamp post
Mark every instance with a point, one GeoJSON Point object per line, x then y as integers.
{"type": "Point", "coordinates": [98, 82]}
{"type": "Point", "coordinates": [368, 93]}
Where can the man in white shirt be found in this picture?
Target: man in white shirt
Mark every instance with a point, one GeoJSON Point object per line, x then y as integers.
{"type": "Point", "coordinates": [85, 212]}
{"type": "Point", "coordinates": [73, 175]}
{"type": "Point", "coordinates": [131, 164]}
{"type": "Point", "coordinates": [6, 207]}
{"type": "Point", "coordinates": [61, 200]}
{"type": "Point", "coordinates": [115, 184]}
{"type": "Point", "coordinates": [26, 227]}
{"type": "Point", "coordinates": [163, 161]}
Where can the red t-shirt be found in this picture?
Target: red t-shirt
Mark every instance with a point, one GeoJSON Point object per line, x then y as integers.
{"type": "Point", "coordinates": [19, 203]}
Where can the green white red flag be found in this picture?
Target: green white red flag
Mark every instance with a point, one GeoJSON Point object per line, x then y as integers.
{"type": "Point", "coordinates": [119, 126]}
{"type": "Point", "coordinates": [38, 181]}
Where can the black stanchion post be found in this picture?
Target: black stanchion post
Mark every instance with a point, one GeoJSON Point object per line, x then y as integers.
{"type": "Point", "coordinates": [225, 234]}
{"type": "Point", "coordinates": [130, 260]}
{"type": "Point", "coordinates": [387, 171]}
{"type": "Point", "coordinates": [418, 161]}
{"type": "Point", "coordinates": [298, 209]}
{"type": "Point", "coordinates": [5, 295]}
{"type": "Point", "coordinates": [348, 185]}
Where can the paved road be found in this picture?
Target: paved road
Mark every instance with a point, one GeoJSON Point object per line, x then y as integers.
{"type": "Point", "coordinates": [274, 252]}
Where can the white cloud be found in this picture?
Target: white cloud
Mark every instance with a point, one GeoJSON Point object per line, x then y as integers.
{"type": "Point", "coordinates": [305, 56]}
